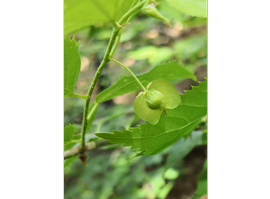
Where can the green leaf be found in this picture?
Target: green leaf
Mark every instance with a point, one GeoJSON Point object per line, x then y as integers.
{"type": "Point", "coordinates": [69, 161]}
{"type": "Point", "coordinates": [68, 133]}
{"type": "Point", "coordinates": [201, 190]}
{"type": "Point", "coordinates": [168, 71]}
{"type": "Point", "coordinates": [197, 8]}
{"type": "Point", "coordinates": [151, 139]}
{"type": "Point", "coordinates": [72, 65]}
{"type": "Point", "coordinates": [79, 14]}
{"type": "Point", "coordinates": [70, 139]}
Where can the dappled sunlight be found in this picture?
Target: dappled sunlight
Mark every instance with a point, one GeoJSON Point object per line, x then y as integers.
{"type": "Point", "coordinates": [127, 45]}
{"type": "Point", "coordinates": [124, 99]}
{"type": "Point", "coordinates": [84, 64]}
{"type": "Point", "coordinates": [129, 62]}
{"type": "Point", "coordinates": [152, 34]}
{"type": "Point", "coordinates": [175, 31]}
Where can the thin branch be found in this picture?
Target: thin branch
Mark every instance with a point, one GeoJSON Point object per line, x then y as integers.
{"type": "Point", "coordinates": [101, 66]}
{"type": "Point", "coordinates": [94, 81]}
{"type": "Point", "coordinates": [89, 146]}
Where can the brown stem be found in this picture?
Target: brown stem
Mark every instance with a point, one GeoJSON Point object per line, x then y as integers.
{"type": "Point", "coordinates": [89, 146]}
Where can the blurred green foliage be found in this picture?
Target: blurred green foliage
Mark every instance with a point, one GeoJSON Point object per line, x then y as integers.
{"type": "Point", "coordinates": [115, 173]}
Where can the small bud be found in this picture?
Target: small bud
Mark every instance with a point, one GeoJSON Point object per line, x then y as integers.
{"type": "Point", "coordinates": [151, 11]}
{"type": "Point", "coordinates": [83, 159]}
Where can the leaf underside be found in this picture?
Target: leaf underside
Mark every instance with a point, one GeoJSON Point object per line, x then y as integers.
{"type": "Point", "coordinates": [179, 122]}
{"type": "Point", "coordinates": [79, 14]}
{"type": "Point", "coordinates": [168, 71]}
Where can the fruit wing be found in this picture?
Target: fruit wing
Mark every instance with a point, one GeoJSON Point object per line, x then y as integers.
{"type": "Point", "coordinates": [171, 97]}
{"type": "Point", "coordinates": [144, 112]}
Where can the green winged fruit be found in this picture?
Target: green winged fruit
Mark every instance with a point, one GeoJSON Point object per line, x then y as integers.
{"type": "Point", "coordinates": [154, 99]}
{"type": "Point", "coordinates": [160, 95]}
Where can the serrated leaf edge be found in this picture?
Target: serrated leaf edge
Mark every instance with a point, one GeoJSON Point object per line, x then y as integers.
{"type": "Point", "coordinates": [141, 152]}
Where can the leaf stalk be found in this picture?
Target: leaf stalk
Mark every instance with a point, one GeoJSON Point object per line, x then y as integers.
{"type": "Point", "coordinates": [135, 77]}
